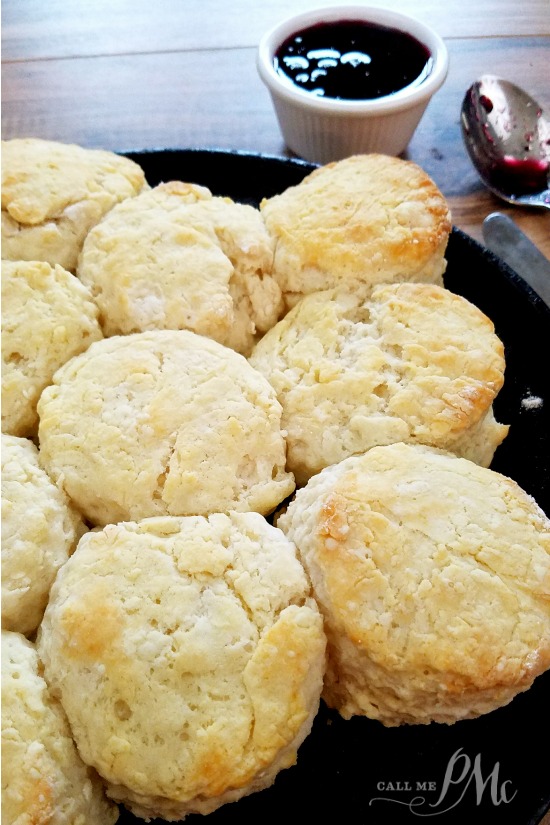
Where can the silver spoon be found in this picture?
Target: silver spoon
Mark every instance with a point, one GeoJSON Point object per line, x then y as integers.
{"type": "Point", "coordinates": [508, 139]}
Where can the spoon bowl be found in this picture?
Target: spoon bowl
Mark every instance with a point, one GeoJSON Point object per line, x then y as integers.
{"type": "Point", "coordinates": [508, 139]}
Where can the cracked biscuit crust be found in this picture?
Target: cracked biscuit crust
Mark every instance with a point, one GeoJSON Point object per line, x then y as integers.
{"type": "Point", "coordinates": [359, 221]}
{"type": "Point", "coordinates": [40, 529]}
{"type": "Point", "coordinates": [176, 257]}
{"type": "Point", "coordinates": [47, 317]}
{"type": "Point", "coordinates": [43, 778]}
{"type": "Point", "coordinates": [403, 362]}
{"type": "Point", "coordinates": [433, 575]}
{"type": "Point", "coordinates": [53, 193]}
{"type": "Point", "coordinates": [163, 423]}
{"type": "Point", "coordinates": [189, 658]}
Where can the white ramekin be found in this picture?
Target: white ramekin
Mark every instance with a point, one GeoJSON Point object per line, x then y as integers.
{"type": "Point", "coordinates": [325, 129]}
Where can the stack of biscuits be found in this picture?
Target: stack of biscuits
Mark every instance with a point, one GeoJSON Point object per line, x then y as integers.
{"type": "Point", "coordinates": [245, 467]}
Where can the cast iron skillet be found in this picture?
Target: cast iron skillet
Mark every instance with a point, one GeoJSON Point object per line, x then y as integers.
{"type": "Point", "coordinates": [359, 771]}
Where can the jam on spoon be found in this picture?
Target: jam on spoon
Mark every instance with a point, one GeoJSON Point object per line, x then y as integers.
{"type": "Point", "coordinates": [519, 175]}
{"type": "Point", "coordinates": [507, 136]}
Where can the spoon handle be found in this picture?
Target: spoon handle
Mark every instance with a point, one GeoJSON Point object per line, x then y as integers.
{"type": "Point", "coordinates": [504, 237]}
{"type": "Point", "coordinates": [540, 199]}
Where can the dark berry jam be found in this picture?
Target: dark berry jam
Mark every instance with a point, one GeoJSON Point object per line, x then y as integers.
{"type": "Point", "coordinates": [352, 60]}
{"type": "Point", "coordinates": [520, 176]}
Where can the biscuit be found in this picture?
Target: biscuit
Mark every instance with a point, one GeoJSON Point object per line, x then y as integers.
{"type": "Point", "coordinates": [433, 576]}
{"type": "Point", "coordinates": [164, 422]}
{"type": "Point", "coordinates": [43, 778]}
{"type": "Point", "coordinates": [410, 362]}
{"type": "Point", "coordinates": [47, 317]}
{"type": "Point", "coordinates": [188, 656]}
{"type": "Point", "coordinates": [53, 193]}
{"type": "Point", "coordinates": [176, 257]}
{"type": "Point", "coordinates": [363, 220]}
{"type": "Point", "coordinates": [40, 529]}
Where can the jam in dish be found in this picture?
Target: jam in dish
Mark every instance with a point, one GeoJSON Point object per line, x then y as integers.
{"type": "Point", "coordinates": [352, 60]}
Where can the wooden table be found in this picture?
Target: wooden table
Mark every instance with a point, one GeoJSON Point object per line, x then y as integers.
{"type": "Point", "coordinates": [143, 74]}
{"type": "Point", "coordinates": [136, 74]}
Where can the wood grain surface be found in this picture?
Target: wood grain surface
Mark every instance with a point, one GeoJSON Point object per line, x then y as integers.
{"type": "Point", "coordinates": [141, 75]}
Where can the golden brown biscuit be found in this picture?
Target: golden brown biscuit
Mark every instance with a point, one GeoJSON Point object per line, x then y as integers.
{"type": "Point", "coordinates": [178, 258]}
{"type": "Point", "coordinates": [53, 193]}
{"type": "Point", "coordinates": [163, 422]}
{"type": "Point", "coordinates": [188, 656]}
{"type": "Point", "coordinates": [359, 221]}
{"type": "Point", "coordinates": [410, 362]}
{"type": "Point", "coordinates": [40, 529]}
{"type": "Point", "coordinates": [433, 575]}
{"type": "Point", "coordinates": [43, 778]}
{"type": "Point", "coordinates": [47, 317]}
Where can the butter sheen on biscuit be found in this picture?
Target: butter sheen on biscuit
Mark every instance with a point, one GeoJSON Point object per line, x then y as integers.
{"type": "Point", "coordinates": [433, 577]}
{"type": "Point", "coordinates": [40, 529]}
{"type": "Point", "coordinates": [164, 422]}
{"type": "Point", "coordinates": [48, 316]}
{"type": "Point", "coordinates": [356, 222]}
{"type": "Point", "coordinates": [44, 779]}
{"type": "Point", "coordinates": [53, 193]}
{"type": "Point", "coordinates": [401, 362]}
{"type": "Point", "coordinates": [176, 257]}
{"type": "Point", "coordinates": [188, 656]}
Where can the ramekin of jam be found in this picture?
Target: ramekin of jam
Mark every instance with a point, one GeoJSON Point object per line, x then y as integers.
{"type": "Point", "coordinates": [350, 79]}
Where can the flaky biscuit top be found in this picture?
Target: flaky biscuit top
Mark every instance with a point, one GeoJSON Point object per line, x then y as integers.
{"type": "Point", "coordinates": [48, 316]}
{"type": "Point", "coordinates": [163, 422]}
{"type": "Point", "coordinates": [199, 651]}
{"type": "Point", "coordinates": [53, 193]}
{"type": "Point", "coordinates": [44, 779]}
{"type": "Point", "coordinates": [176, 257]}
{"type": "Point", "coordinates": [40, 529]}
{"type": "Point", "coordinates": [398, 362]}
{"type": "Point", "coordinates": [363, 220]}
{"type": "Point", "coordinates": [430, 565]}
{"type": "Point", "coordinates": [41, 178]}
